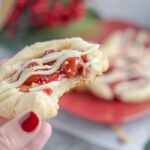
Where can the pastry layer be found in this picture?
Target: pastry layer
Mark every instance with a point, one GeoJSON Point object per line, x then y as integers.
{"type": "Point", "coordinates": [23, 86]}
{"type": "Point", "coordinates": [128, 77]}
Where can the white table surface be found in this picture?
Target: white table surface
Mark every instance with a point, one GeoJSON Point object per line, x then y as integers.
{"type": "Point", "coordinates": [101, 135]}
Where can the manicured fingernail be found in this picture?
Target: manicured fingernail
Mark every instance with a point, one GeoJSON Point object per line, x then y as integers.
{"type": "Point", "coordinates": [29, 122]}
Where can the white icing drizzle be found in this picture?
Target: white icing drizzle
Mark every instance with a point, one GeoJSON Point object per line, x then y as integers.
{"type": "Point", "coordinates": [57, 57]}
{"type": "Point", "coordinates": [41, 67]}
{"type": "Point", "coordinates": [131, 61]}
{"type": "Point", "coordinates": [86, 65]}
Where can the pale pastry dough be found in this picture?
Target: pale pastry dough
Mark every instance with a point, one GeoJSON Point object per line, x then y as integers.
{"type": "Point", "coordinates": [13, 101]}
{"type": "Point", "coordinates": [129, 79]}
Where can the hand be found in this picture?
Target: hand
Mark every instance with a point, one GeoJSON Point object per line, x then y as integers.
{"type": "Point", "coordinates": [25, 132]}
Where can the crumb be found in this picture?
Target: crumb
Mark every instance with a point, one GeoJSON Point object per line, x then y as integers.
{"type": "Point", "coordinates": [66, 62]}
{"type": "Point", "coordinates": [122, 136]}
{"type": "Point", "coordinates": [69, 71]}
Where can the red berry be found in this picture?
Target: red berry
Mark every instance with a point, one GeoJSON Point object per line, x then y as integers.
{"type": "Point", "coordinates": [46, 13]}
{"type": "Point", "coordinates": [17, 13]}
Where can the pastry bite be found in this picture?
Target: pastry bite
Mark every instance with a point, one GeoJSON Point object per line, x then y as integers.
{"type": "Point", "coordinates": [128, 77]}
{"type": "Point", "coordinates": [38, 75]}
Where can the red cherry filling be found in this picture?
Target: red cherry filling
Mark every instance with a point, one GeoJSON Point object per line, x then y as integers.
{"type": "Point", "coordinates": [24, 88]}
{"type": "Point", "coordinates": [49, 52]}
{"type": "Point", "coordinates": [46, 53]}
{"type": "Point", "coordinates": [32, 65]}
{"type": "Point", "coordinates": [84, 58]}
{"type": "Point", "coordinates": [48, 91]}
{"type": "Point", "coordinates": [49, 63]}
{"type": "Point", "coordinates": [72, 67]}
{"type": "Point", "coordinates": [42, 79]}
{"type": "Point", "coordinates": [27, 67]}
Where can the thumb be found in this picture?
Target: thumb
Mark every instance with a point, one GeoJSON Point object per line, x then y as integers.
{"type": "Point", "coordinates": [19, 132]}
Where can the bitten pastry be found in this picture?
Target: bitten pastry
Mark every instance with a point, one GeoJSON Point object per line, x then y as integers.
{"type": "Point", "coordinates": [39, 74]}
{"type": "Point", "coordinates": [128, 77]}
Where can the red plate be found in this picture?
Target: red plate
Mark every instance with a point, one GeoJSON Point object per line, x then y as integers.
{"type": "Point", "coordinates": [92, 108]}
{"type": "Point", "coordinates": [109, 26]}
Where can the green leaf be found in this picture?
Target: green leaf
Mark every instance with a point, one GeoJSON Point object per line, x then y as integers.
{"type": "Point", "coordinates": [93, 14]}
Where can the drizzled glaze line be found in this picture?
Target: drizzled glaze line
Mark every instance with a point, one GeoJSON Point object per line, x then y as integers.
{"type": "Point", "coordinates": [132, 61]}
{"type": "Point", "coordinates": [59, 57]}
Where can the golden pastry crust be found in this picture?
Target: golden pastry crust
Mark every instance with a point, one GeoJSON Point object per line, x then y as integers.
{"type": "Point", "coordinates": [14, 102]}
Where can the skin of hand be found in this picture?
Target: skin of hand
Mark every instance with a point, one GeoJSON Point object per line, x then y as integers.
{"type": "Point", "coordinates": [25, 132]}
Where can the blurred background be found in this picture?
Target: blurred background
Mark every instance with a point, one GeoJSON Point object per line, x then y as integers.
{"type": "Point", "coordinates": [117, 115]}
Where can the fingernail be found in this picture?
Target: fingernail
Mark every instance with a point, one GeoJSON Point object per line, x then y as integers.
{"type": "Point", "coordinates": [29, 122]}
